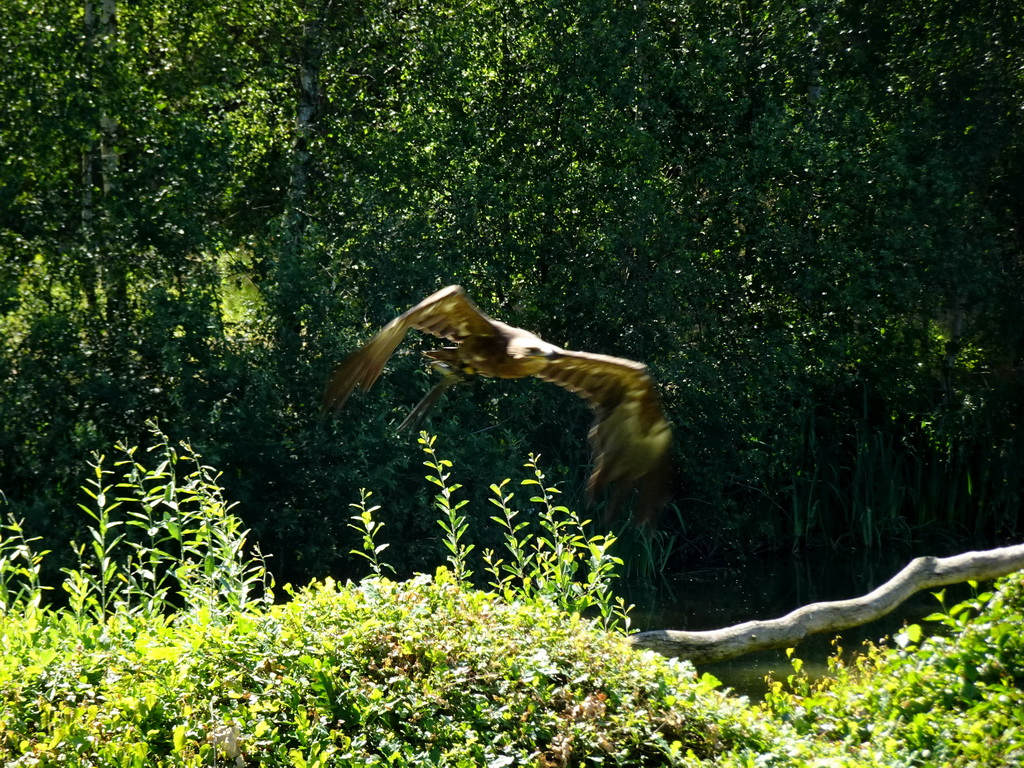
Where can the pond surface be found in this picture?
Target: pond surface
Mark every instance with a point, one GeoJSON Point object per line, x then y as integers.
{"type": "Point", "coordinates": [770, 587]}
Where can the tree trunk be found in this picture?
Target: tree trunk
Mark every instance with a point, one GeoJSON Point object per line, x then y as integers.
{"type": "Point", "coordinates": [922, 573]}
{"type": "Point", "coordinates": [310, 97]}
{"type": "Point", "coordinates": [100, 165]}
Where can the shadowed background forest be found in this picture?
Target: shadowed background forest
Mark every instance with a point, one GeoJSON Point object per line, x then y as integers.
{"type": "Point", "coordinates": [808, 221]}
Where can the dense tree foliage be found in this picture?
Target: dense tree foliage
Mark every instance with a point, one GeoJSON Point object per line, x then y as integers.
{"type": "Point", "coordinates": [807, 220]}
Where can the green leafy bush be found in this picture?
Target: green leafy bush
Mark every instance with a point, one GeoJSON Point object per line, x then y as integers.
{"type": "Point", "coordinates": [172, 652]}
{"type": "Point", "coordinates": [951, 697]}
{"type": "Point", "coordinates": [165, 656]}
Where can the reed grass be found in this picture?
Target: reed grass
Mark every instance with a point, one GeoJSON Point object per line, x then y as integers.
{"type": "Point", "coordinates": [875, 486]}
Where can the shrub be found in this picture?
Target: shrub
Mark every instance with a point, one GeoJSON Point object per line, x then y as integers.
{"type": "Point", "coordinates": [949, 698]}
{"type": "Point", "coordinates": [172, 652]}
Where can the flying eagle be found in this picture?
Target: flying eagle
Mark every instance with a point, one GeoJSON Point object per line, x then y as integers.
{"type": "Point", "coordinates": [630, 436]}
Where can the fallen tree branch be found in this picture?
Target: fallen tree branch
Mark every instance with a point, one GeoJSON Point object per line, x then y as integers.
{"type": "Point", "coordinates": [921, 573]}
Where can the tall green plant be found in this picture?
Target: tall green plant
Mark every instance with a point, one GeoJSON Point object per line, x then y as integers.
{"type": "Point", "coordinates": [369, 529]}
{"type": "Point", "coordinates": [451, 521]}
{"type": "Point", "coordinates": [92, 586]}
{"type": "Point", "coordinates": [555, 558]}
{"type": "Point", "coordinates": [21, 588]}
{"type": "Point", "coordinates": [551, 555]}
{"type": "Point", "coordinates": [187, 547]}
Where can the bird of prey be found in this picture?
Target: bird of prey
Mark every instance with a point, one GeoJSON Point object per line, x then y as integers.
{"type": "Point", "coordinates": [630, 436]}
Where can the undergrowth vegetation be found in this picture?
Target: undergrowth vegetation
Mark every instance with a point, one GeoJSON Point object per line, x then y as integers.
{"type": "Point", "coordinates": [950, 698]}
{"type": "Point", "coordinates": [173, 649]}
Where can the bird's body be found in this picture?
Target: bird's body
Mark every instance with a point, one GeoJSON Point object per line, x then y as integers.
{"type": "Point", "coordinates": [630, 436]}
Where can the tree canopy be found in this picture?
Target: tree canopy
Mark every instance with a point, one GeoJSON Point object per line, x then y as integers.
{"type": "Point", "coordinates": [807, 221]}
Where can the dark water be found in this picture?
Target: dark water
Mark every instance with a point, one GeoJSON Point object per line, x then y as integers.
{"type": "Point", "coordinates": [770, 587]}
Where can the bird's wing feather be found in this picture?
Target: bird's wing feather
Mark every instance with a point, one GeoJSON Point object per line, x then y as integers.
{"type": "Point", "coordinates": [630, 436]}
{"type": "Point", "coordinates": [602, 380]}
{"type": "Point", "coordinates": [448, 313]}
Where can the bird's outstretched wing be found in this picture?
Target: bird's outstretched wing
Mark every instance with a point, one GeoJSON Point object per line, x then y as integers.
{"type": "Point", "coordinates": [448, 313]}
{"type": "Point", "coordinates": [630, 436]}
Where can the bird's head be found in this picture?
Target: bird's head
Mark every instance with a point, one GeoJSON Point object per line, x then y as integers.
{"type": "Point", "coordinates": [533, 348]}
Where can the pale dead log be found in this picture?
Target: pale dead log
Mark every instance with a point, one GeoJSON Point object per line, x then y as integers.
{"type": "Point", "coordinates": [834, 616]}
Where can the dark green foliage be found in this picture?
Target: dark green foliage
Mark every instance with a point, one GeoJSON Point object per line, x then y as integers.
{"type": "Point", "coordinates": [807, 221]}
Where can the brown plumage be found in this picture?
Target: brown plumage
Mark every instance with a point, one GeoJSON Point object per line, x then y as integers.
{"type": "Point", "coordinates": [630, 436]}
